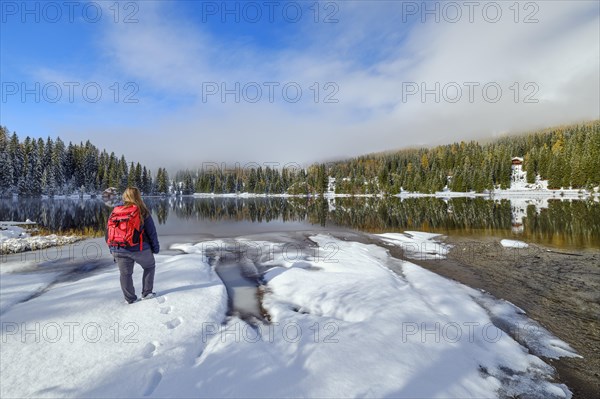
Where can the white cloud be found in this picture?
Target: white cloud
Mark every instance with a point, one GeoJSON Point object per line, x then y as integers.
{"type": "Point", "coordinates": [369, 54]}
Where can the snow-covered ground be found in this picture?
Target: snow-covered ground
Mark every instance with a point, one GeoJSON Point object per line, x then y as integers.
{"type": "Point", "coordinates": [79, 338]}
{"type": "Point", "coordinates": [285, 195]}
{"type": "Point", "coordinates": [513, 244]}
{"type": "Point", "coordinates": [498, 193]}
{"type": "Point", "coordinates": [15, 239]}
{"type": "Point", "coordinates": [417, 245]}
{"type": "Point", "coordinates": [533, 193]}
{"type": "Point", "coordinates": [241, 195]}
{"type": "Point", "coordinates": [506, 194]}
{"type": "Point", "coordinates": [342, 325]}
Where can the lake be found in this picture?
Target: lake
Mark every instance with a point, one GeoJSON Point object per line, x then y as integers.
{"type": "Point", "coordinates": [553, 222]}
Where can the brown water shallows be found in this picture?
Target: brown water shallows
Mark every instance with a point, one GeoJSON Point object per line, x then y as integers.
{"type": "Point", "coordinates": [561, 290]}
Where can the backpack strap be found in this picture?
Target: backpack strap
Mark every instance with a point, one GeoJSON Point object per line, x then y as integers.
{"type": "Point", "coordinates": [141, 232]}
{"type": "Point", "coordinates": [141, 227]}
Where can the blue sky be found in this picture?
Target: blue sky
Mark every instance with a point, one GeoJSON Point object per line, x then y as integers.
{"type": "Point", "coordinates": [372, 75]}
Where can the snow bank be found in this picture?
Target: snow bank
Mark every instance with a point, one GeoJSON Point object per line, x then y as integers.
{"type": "Point", "coordinates": [241, 195]}
{"type": "Point", "coordinates": [513, 244]}
{"type": "Point", "coordinates": [8, 231]}
{"type": "Point", "coordinates": [15, 239]}
{"type": "Point", "coordinates": [540, 193]}
{"type": "Point", "coordinates": [530, 333]}
{"type": "Point", "coordinates": [16, 245]}
{"type": "Point", "coordinates": [519, 373]}
{"type": "Point", "coordinates": [342, 325]}
{"type": "Point", "coordinates": [349, 327]}
{"type": "Point", "coordinates": [80, 339]}
{"type": "Point", "coordinates": [417, 245]}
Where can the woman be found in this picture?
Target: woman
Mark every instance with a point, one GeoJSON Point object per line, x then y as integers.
{"type": "Point", "coordinates": [126, 256]}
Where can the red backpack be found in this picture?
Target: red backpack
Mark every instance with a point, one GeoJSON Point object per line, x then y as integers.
{"type": "Point", "coordinates": [124, 227]}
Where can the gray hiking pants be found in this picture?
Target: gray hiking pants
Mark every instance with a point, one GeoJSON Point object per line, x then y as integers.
{"type": "Point", "coordinates": [126, 260]}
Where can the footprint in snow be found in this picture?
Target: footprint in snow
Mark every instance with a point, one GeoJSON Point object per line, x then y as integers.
{"type": "Point", "coordinates": [153, 381]}
{"type": "Point", "coordinates": [173, 323]}
{"type": "Point", "coordinates": [161, 299]}
{"type": "Point", "coordinates": [150, 349]}
{"type": "Point", "coordinates": [166, 310]}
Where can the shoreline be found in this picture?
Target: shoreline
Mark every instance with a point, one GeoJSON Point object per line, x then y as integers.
{"type": "Point", "coordinates": [557, 289]}
{"type": "Point", "coordinates": [15, 239]}
{"type": "Point", "coordinates": [497, 194]}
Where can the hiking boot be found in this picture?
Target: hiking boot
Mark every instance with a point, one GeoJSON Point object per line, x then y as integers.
{"type": "Point", "coordinates": [149, 296]}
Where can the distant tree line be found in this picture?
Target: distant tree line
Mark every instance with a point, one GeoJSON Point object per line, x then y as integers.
{"type": "Point", "coordinates": [256, 180]}
{"type": "Point", "coordinates": [35, 167]}
{"type": "Point", "coordinates": [566, 156]}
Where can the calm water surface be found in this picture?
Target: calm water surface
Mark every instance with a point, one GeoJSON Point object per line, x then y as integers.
{"type": "Point", "coordinates": [553, 222]}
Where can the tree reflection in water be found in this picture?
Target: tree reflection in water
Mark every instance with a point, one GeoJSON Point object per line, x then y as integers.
{"type": "Point", "coordinates": [563, 223]}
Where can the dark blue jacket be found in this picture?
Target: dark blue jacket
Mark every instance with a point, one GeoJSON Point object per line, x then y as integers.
{"type": "Point", "coordinates": [149, 239]}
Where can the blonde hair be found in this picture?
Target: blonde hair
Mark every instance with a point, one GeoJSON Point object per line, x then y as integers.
{"type": "Point", "coordinates": [132, 196]}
